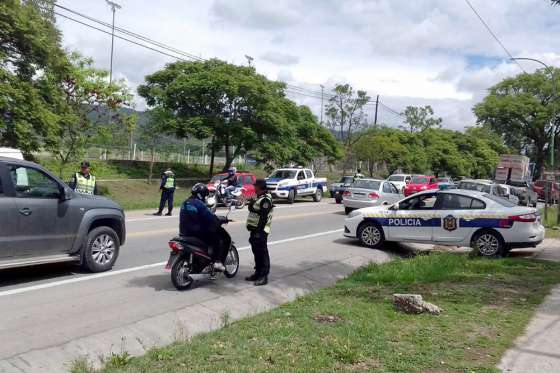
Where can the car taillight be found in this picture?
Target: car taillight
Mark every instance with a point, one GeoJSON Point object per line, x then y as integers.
{"type": "Point", "coordinates": [346, 193]}
{"type": "Point", "coordinates": [174, 246]}
{"type": "Point", "coordinates": [373, 195]}
{"type": "Point", "coordinates": [526, 218]}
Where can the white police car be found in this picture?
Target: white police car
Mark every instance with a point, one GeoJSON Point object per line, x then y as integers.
{"type": "Point", "coordinates": [449, 217]}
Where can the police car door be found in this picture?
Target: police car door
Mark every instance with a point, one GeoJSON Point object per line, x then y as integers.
{"type": "Point", "coordinates": [413, 219]}
{"type": "Point", "coordinates": [457, 213]}
{"type": "Point", "coordinates": [302, 183]}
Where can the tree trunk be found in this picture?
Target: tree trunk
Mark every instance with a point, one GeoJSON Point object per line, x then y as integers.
{"type": "Point", "coordinates": [227, 164]}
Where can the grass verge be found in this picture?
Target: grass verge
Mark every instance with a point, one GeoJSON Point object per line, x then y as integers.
{"type": "Point", "coordinates": [550, 222]}
{"type": "Point", "coordinates": [353, 326]}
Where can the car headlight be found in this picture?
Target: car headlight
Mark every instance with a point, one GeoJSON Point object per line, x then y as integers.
{"type": "Point", "coordinates": [353, 214]}
{"type": "Point", "coordinates": [424, 187]}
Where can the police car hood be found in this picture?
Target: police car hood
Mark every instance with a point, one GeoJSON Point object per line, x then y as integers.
{"type": "Point", "coordinates": [374, 209]}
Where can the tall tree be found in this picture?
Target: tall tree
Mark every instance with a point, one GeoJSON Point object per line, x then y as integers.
{"type": "Point", "coordinates": [32, 64]}
{"type": "Point", "coordinates": [520, 110]}
{"type": "Point", "coordinates": [420, 118]}
{"type": "Point", "coordinates": [87, 98]}
{"type": "Point", "coordinates": [346, 116]}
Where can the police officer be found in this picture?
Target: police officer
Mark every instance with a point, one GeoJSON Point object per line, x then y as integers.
{"type": "Point", "coordinates": [258, 223]}
{"type": "Point", "coordinates": [358, 174]}
{"type": "Point", "coordinates": [84, 182]}
{"type": "Point", "coordinates": [167, 187]}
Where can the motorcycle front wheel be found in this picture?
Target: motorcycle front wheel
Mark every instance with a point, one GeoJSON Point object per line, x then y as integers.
{"type": "Point", "coordinates": [180, 275]}
{"type": "Point", "coordinates": [240, 202]}
{"type": "Point", "coordinates": [232, 262]}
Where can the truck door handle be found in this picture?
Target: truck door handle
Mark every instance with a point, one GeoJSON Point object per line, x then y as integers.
{"type": "Point", "coordinates": [25, 211]}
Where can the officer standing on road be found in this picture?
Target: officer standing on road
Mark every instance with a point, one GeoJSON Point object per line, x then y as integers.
{"type": "Point", "coordinates": [258, 223]}
{"type": "Point", "coordinates": [84, 182]}
{"type": "Point", "coordinates": [358, 174]}
{"type": "Point", "coordinates": [167, 187]}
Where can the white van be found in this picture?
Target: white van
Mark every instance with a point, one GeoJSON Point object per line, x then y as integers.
{"type": "Point", "coordinates": [11, 153]}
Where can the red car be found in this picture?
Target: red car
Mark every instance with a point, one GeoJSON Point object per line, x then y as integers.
{"type": "Point", "coordinates": [539, 186]}
{"type": "Point", "coordinates": [246, 179]}
{"type": "Point", "coordinates": [420, 183]}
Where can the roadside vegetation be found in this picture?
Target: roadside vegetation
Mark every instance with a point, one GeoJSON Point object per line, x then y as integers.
{"type": "Point", "coordinates": [550, 222]}
{"type": "Point", "coordinates": [353, 325]}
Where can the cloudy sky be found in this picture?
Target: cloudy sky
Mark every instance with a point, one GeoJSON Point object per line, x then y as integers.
{"type": "Point", "coordinates": [417, 52]}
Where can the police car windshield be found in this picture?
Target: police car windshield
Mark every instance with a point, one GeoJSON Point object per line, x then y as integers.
{"type": "Point", "coordinates": [419, 180]}
{"type": "Point", "coordinates": [366, 184]}
{"type": "Point", "coordinates": [396, 178]}
{"type": "Point", "coordinates": [500, 200]}
{"type": "Point", "coordinates": [283, 174]}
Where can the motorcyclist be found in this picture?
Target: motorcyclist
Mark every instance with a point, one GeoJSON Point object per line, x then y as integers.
{"type": "Point", "coordinates": [230, 182]}
{"type": "Point", "coordinates": [196, 220]}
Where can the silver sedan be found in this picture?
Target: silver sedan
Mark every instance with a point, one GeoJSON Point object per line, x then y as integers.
{"type": "Point", "coordinates": [369, 192]}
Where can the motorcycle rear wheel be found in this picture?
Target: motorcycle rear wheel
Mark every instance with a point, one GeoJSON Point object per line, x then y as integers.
{"type": "Point", "coordinates": [232, 262]}
{"type": "Point", "coordinates": [180, 275]}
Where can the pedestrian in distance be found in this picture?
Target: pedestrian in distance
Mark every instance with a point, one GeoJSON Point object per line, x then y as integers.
{"type": "Point", "coordinates": [258, 224]}
{"type": "Point", "coordinates": [83, 181]}
{"type": "Point", "coordinates": [167, 186]}
{"type": "Point", "coordinates": [358, 174]}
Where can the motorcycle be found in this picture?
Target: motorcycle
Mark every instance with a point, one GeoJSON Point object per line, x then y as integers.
{"type": "Point", "coordinates": [237, 198]}
{"type": "Point", "coordinates": [191, 256]}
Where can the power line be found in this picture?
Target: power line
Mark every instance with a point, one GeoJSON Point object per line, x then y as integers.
{"type": "Point", "coordinates": [493, 34]}
{"type": "Point", "coordinates": [290, 88]}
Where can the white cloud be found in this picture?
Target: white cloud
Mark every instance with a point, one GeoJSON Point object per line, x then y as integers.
{"type": "Point", "coordinates": [411, 53]}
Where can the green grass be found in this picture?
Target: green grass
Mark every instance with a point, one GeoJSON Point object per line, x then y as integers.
{"type": "Point", "coordinates": [353, 325]}
{"type": "Point", "coordinates": [550, 221]}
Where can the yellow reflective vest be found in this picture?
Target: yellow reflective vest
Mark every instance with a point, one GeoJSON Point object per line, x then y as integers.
{"type": "Point", "coordinates": [85, 185]}
{"type": "Point", "coordinates": [254, 216]}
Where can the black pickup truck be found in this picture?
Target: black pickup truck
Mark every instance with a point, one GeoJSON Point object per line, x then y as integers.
{"type": "Point", "coordinates": [43, 221]}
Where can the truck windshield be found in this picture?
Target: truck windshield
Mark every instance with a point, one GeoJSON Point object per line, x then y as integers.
{"type": "Point", "coordinates": [283, 174]}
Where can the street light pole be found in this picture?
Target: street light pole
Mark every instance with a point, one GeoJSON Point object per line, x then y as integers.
{"type": "Point", "coordinates": [114, 6]}
{"type": "Point", "coordinates": [554, 98]}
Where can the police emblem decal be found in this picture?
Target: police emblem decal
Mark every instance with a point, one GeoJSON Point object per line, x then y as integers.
{"type": "Point", "coordinates": [449, 223]}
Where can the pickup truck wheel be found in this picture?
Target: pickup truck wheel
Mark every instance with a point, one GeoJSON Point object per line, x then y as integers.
{"type": "Point", "coordinates": [318, 195]}
{"type": "Point", "coordinates": [291, 196]}
{"type": "Point", "coordinates": [101, 250]}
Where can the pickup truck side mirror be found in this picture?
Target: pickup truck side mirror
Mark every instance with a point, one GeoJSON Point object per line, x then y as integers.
{"type": "Point", "coordinates": [66, 193]}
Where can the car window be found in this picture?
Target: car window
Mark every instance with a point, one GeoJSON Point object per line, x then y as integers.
{"type": "Point", "coordinates": [366, 184]}
{"type": "Point", "coordinates": [501, 201]}
{"type": "Point", "coordinates": [387, 188]}
{"type": "Point", "coordinates": [422, 202]}
{"type": "Point", "coordinates": [308, 174]}
{"type": "Point", "coordinates": [433, 181]}
{"type": "Point", "coordinates": [450, 201]}
{"type": "Point", "coordinates": [419, 180]}
{"type": "Point", "coordinates": [283, 174]}
{"type": "Point", "coordinates": [301, 175]}
{"type": "Point", "coordinates": [394, 189]}
{"type": "Point", "coordinates": [31, 183]}
{"type": "Point", "coordinates": [248, 179]}
{"type": "Point", "coordinates": [396, 178]}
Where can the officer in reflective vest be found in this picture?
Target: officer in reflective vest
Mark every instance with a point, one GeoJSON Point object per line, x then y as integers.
{"type": "Point", "coordinates": [84, 182]}
{"type": "Point", "coordinates": [258, 223]}
{"type": "Point", "coordinates": [167, 187]}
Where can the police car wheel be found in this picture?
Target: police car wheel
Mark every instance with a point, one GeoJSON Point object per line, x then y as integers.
{"type": "Point", "coordinates": [291, 197]}
{"type": "Point", "coordinates": [370, 235]}
{"type": "Point", "coordinates": [489, 243]}
{"type": "Point", "coordinates": [318, 195]}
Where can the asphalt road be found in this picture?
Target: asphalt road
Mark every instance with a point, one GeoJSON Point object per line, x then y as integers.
{"type": "Point", "coordinates": [45, 307]}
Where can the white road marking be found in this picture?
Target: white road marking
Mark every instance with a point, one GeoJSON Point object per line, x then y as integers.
{"type": "Point", "coordinates": [304, 204]}
{"type": "Point", "coordinates": [140, 268]}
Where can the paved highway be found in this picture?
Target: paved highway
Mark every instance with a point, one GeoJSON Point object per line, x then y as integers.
{"type": "Point", "coordinates": [53, 314]}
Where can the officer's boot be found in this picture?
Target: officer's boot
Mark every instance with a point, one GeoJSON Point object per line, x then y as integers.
{"type": "Point", "coordinates": [254, 277]}
{"type": "Point", "coordinates": [262, 280]}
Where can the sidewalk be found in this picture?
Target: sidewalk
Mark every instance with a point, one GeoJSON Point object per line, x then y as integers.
{"type": "Point", "coordinates": [538, 350]}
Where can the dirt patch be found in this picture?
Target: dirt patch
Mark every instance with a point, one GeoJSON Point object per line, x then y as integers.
{"type": "Point", "coordinates": [362, 366]}
{"type": "Point", "coordinates": [327, 319]}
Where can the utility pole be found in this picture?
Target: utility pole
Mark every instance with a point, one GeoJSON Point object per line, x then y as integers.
{"type": "Point", "coordinates": [376, 106]}
{"type": "Point", "coordinates": [322, 89]}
